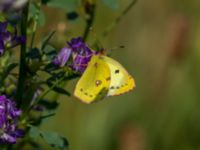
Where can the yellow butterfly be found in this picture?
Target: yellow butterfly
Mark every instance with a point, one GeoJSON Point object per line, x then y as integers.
{"type": "Point", "coordinates": [103, 77]}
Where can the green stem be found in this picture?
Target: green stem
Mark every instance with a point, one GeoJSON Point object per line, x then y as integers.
{"type": "Point", "coordinates": [47, 91]}
{"type": "Point", "coordinates": [118, 19]}
{"type": "Point", "coordinates": [22, 69]}
{"type": "Point", "coordinates": [32, 39]}
{"type": "Point", "coordinates": [89, 22]}
{"type": "Point", "coordinates": [38, 5]}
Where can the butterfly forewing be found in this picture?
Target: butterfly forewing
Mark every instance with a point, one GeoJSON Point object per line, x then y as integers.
{"type": "Point", "coordinates": [121, 81]}
{"type": "Point", "coordinates": [95, 81]}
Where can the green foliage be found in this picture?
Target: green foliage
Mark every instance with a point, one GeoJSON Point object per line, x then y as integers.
{"type": "Point", "coordinates": [51, 138]}
{"type": "Point", "coordinates": [34, 53]}
{"type": "Point", "coordinates": [37, 75]}
{"type": "Point", "coordinates": [10, 67]}
{"type": "Point", "coordinates": [34, 132]}
{"type": "Point", "coordinates": [54, 140]}
{"type": "Point", "coordinates": [51, 81]}
{"type": "Point", "coordinates": [37, 15]}
{"type": "Point", "coordinates": [46, 39]}
{"type": "Point", "coordinates": [49, 105]}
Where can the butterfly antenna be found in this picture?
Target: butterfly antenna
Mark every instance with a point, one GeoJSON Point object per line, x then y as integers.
{"type": "Point", "coordinates": [115, 48]}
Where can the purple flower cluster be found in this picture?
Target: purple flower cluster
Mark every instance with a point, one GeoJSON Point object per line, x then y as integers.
{"type": "Point", "coordinates": [9, 5]}
{"type": "Point", "coordinates": [78, 51]}
{"type": "Point", "coordinates": [7, 38]}
{"type": "Point", "coordinates": [9, 115]}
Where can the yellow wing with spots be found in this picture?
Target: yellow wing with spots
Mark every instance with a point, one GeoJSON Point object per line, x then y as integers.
{"type": "Point", "coordinates": [121, 81]}
{"type": "Point", "coordinates": [95, 81]}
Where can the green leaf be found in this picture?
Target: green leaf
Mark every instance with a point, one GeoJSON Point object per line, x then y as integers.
{"type": "Point", "coordinates": [113, 4]}
{"type": "Point", "coordinates": [58, 89]}
{"type": "Point", "coordinates": [47, 114]}
{"type": "Point", "coordinates": [49, 53]}
{"type": "Point", "coordinates": [51, 138]}
{"type": "Point", "coordinates": [49, 105]}
{"type": "Point", "coordinates": [51, 81]}
{"type": "Point", "coordinates": [37, 14]}
{"type": "Point", "coordinates": [34, 132]}
{"type": "Point", "coordinates": [34, 53]}
{"type": "Point", "coordinates": [49, 68]}
{"type": "Point", "coordinates": [55, 140]}
{"type": "Point", "coordinates": [61, 91]}
{"type": "Point", "coordinates": [10, 67]}
{"type": "Point", "coordinates": [63, 4]}
{"type": "Point", "coordinates": [46, 39]}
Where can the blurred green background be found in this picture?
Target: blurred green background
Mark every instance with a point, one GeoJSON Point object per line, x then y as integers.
{"type": "Point", "coordinates": [162, 52]}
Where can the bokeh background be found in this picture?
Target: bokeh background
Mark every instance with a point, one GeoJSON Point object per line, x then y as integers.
{"type": "Point", "coordinates": [162, 52]}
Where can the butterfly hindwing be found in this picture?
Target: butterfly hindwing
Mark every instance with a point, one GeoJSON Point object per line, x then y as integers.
{"type": "Point", "coordinates": [95, 81]}
{"type": "Point", "coordinates": [121, 81]}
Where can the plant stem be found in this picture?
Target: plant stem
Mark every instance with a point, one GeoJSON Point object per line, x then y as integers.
{"type": "Point", "coordinates": [89, 21]}
{"type": "Point", "coordinates": [46, 92]}
{"type": "Point", "coordinates": [22, 69]}
{"type": "Point", "coordinates": [38, 5]}
{"type": "Point", "coordinates": [32, 39]}
{"type": "Point", "coordinates": [118, 19]}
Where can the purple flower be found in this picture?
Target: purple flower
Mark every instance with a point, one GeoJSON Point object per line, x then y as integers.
{"type": "Point", "coordinates": [9, 115]}
{"type": "Point", "coordinates": [9, 39]}
{"type": "Point", "coordinates": [79, 47]}
{"type": "Point", "coordinates": [80, 63]}
{"type": "Point", "coordinates": [63, 56]}
{"type": "Point", "coordinates": [78, 51]}
{"type": "Point", "coordinates": [36, 95]}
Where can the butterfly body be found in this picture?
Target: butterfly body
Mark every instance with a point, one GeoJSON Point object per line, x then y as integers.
{"type": "Point", "coordinates": [103, 77]}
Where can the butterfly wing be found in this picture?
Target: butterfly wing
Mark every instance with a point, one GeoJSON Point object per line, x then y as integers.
{"type": "Point", "coordinates": [121, 81]}
{"type": "Point", "coordinates": [94, 83]}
